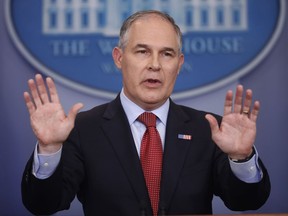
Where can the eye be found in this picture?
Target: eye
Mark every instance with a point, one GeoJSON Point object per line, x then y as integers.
{"type": "Point", "coordinates": [168, 54]}
{"type": "Point", "coordinates": [142, 51]}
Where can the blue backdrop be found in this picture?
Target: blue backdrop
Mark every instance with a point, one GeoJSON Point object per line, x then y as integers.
{"type": "Point", "coordinates": [268, 81]}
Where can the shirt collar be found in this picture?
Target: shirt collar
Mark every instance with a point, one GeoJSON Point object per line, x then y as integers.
{"type": "Point", "coordinates": [132, 110]}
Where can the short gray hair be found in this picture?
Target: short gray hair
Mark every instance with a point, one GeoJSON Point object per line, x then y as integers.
{"type": "Point", "coordinates": [123, 37]}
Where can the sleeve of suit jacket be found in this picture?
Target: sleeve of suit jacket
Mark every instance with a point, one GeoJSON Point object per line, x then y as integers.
{"type": "Point", "coordinates": [205, 171]}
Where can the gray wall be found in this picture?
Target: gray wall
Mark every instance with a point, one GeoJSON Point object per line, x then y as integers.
{"type": "Point", "coordinates": [268, 80]}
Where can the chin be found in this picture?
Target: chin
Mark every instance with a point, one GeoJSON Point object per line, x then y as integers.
{"type": "Point", "coordinates": [154, 100]}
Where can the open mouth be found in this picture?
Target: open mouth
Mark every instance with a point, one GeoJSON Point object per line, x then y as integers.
{"type": "Point", "coordinates": [153, 81]}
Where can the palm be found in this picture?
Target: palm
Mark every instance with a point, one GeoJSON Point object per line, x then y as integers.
{"type": "Point", "coordinates": [48, 119]}
{"type": "Point", "coordinates": [237, 132]}
{"type": "Point", "coordinates": [50, 123]}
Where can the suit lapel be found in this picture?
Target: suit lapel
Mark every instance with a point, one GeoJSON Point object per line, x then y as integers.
{"type": "Point", "coordinates": [174, 153]}
{"type": "Point", "coordinates": [119, 134]}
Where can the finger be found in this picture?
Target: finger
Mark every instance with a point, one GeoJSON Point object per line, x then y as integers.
{"type": "Point", "coordinates": [52, 90]}
{"type": "Point", "coordinates": [213, 123]}
{"type": "Point", "coordinates": [247, 102]}
{"type": "Point", "coordinates": [255, 111]}
{"type": "Point", "coordinates": [238, 99]}
{"type": "Point", "coordinates": [29, 103]}
{"type": "Point", "coordinates": [74, 110]}
{"type": "Point", "coordinates": [228, 102]}
{"type": "Point", "coordinates": [34, 93]}
{"type": "Point", "coordinates": [41, 89]}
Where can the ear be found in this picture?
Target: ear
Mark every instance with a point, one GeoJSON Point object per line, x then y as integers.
{"type": "Point", "coordinates": [117, 57]}
{"type": "Point", "coordinates": [181, 62]}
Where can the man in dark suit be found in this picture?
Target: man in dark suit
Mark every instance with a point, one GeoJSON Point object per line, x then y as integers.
{"type": "Point", "coordinates": [97, 156]}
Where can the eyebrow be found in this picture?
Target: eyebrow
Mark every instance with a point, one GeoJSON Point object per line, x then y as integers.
{"type": "Point", "coordinates": [162, 49]}
{"type": "Point", "coordinates": [141, 46]}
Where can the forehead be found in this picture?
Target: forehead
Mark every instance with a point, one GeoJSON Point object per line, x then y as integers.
{"type": "Point", "coordinates": [153, 29]}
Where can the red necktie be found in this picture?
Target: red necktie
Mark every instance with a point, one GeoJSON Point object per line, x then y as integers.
{"type": "Point", "coordinates": [151, 158]}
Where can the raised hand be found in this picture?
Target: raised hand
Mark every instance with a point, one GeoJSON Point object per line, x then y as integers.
{"type": "Point", "coordinates": [48, 119]}
{"type": "Point", "coordinates": [237, 132]}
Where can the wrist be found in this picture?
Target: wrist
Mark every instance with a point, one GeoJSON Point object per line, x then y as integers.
{"type": "Point", "coordinates": [48, 149]}
{"type": "Point", "coordinates": [242, 159]}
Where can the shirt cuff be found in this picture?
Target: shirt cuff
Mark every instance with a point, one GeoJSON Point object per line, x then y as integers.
{"type": "Point", "coordinates": [44, 165]}
{"type": "Point", "coordinates": [249, 171]}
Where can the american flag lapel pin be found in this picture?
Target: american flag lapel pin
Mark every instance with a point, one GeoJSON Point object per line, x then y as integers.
{"type": "Point", "coordinates": [184, 136]}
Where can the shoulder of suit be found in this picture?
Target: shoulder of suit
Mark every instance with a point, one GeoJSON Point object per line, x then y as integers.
{"type": "Point", "coordinates": [194, 112]}
{"type": "Point", "coordinates": [92, 113]}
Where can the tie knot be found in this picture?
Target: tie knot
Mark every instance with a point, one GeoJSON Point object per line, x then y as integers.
{"type": "Point", "coordinates": [148, 119]}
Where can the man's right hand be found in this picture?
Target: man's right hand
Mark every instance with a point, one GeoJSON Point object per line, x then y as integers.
{"type": "Point", "coordinates": [48, 119]}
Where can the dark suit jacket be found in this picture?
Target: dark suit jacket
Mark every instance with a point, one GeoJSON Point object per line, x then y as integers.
{"type": "Point", "coordinates": [100, 164]}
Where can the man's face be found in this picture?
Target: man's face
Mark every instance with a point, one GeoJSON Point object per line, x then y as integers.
{"type": "Point", "coordinates": [150, 62]}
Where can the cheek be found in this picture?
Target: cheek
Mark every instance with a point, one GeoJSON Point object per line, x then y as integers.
{"type": "Point", "coordinates": [131, 64]}
{"type": "Point", "coordinates": [130, 75]}
{"type": "Point", "coordinates": [171, 77]}
{"type": "Point", "coordinates": [172, 74]}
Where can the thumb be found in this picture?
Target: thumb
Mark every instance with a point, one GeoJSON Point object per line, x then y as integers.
{"type": "Point", "coordinates": [74, 110]}
{"type": "Point", "coordinates": [213, 123]}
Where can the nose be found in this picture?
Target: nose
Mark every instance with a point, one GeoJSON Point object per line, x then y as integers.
{"type": "Point", "coordinates": [154, 64]}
